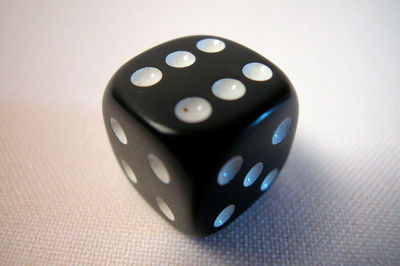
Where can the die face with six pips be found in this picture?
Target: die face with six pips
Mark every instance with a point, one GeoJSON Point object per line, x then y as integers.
{"type": "Point", "coordinates": [201, 126]}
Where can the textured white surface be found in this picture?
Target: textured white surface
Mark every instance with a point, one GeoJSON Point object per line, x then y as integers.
{"type": "Point", "coordinates": [65, 200]}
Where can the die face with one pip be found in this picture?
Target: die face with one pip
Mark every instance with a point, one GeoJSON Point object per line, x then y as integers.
{"type": "Point", "coordinates": [201, 126]}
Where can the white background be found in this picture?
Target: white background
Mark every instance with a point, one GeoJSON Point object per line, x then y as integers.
{"type": "Point", "coordinates": [63, 198]}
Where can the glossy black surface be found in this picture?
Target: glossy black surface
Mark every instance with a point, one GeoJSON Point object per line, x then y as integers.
{"type": "Point", "coordinates": [194, 153]}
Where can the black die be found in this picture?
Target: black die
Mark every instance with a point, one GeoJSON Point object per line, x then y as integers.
{"type": "Point", "coordinates": [201, 126]}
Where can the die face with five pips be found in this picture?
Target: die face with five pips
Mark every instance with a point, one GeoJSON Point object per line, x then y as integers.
{"type": "Point", "coordinates": [201, 126]}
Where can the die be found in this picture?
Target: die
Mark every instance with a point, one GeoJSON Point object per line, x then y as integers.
{"type": "Point", "coordinates": [201, 126]}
